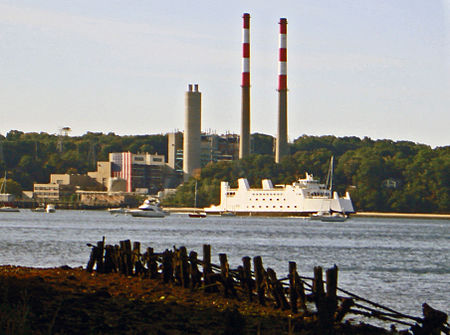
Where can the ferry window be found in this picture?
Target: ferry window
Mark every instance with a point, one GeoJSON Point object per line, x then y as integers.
{"type": "Point", "coordinates": [264, 199]}
{"type": "Point", "coordinates": [273, 206]}
{"type": "Point", "coordinates": [253, 206]}
{"type": "Point", "coordinates": [295, 206]}
{"type": "Point", "coordinates": [270, 199]}
{"type": "Point", "coordinates": [278, 199]}
{"type": "Point", "coordinates": [287, 206]}
{"type": "Point", "coordinates": [281, 206]}
{"type": "Point", "coordinates": [259, 206]}
{"type": "Point", "coordinates": [256, 199]}
{"type": "Point", "coordinates": [267, 206]}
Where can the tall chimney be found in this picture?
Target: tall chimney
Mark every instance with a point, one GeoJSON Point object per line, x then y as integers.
{"type": "Point", "coordinates": [244, 144]}
{"type": "Point", "coordinates": [281, 145]}
{"type": "Point", "coordinates": [192, 130]}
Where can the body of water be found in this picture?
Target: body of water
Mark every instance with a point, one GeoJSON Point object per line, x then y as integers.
{"type": "Point", "coordinates": [400, 263]}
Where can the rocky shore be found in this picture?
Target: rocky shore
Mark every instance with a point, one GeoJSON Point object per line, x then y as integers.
{"type": "Point", "coordinates": [73, 301]}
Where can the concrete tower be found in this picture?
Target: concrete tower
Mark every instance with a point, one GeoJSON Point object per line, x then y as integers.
{"type": "Point", "coordinates": [192, 130]}
{"type": "Point", "coordinates": [244, 144]}
{"type": "Point", "coordinates": [282, 146]}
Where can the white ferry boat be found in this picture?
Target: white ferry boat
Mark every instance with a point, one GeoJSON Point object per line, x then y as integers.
{"type": "Point", "coordinates": [301, 198]}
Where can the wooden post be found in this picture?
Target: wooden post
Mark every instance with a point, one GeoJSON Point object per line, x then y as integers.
{"type": "Point", "coordinates": [128, 259]}
{"type": "Point", "coordinates": [122, 258]}
{"type": "Point", "coordinates": [206, 266]}
{"type": "Point", "coordinates": [167, 267]}
{"type": "Point", "coordinates": [433, 321]}
{"type": "Point", "coordinates": [260, 279]}
{"type": "Point", "coordinates": [99, 254]}
{"type": "Point", "coordinates": [293, 287]}
{"type": "Point", "coordinates": [184, 267]}
{"type": "Point", "coordinates": [176, 265]}
{"type": "Point", "coordinates": [196, 276]}
{"type": "Point", "coordinates": [139, 268]}
{"type": "Point", "coordinates": [277, 290]}
{"type": "Point", "coordinates": [92, 258]}
{"type": "Point", "coordinates": [332, 281]}
{"type": "Point", "coordinates": [117, 261]}
{"type": "Point", "coordinates": [247, 281]}
{"type": "Point", "coordinates": [152, 265]}
{"type": "Point", "coordinates": [317, 288]}
{"type": "Point", "coordinates": [325, 322]}
{"type": "Point", "coordinates": [109, 265]}
{"type": "Point", "coordinates": [301, 292]}
{"type": "Point", "coordinates": [227, 280]}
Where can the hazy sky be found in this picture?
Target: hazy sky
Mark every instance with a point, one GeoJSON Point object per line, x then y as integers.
{"type": "Point", "coordinates": [376, 68]}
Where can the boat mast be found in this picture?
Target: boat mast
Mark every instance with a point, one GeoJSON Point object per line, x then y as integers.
{"type": "Point", "coordinates": [330, 174]}
{"type": "Point", "coordinates": [195, 195]}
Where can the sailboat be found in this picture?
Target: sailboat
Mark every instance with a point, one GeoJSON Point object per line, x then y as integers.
{"type": "Point", "coordinates": [327, 215]}
{"type": "Point", "coordinates": [196, 214]}
{"type": "Point", "coordinates": [6, 197]}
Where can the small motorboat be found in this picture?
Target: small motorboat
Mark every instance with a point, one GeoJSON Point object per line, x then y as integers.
{"type": "Point", "coordinates": [118, 210]}
{"type": "Point", "coordinates": [8, 209]}
{"type": "Point", "coordinates": [227, 214]}
{"type": "Point", "coordinates": [329, 216]}
{"type": "Point", "coordinates": [197, 215]}
{"type": "Point", "coordinates": [149, 209]}
{"type": "Point", "coordinates": [40, 209]}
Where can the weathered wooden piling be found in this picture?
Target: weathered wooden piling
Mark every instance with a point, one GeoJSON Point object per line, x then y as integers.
{"type": "Point", "coordinates": [247, 281]}
{"type": "Point", "coordinates": [277, 290]}
{"type": "Point", "coordinates": [227, 280]}
{"type": "Point", "coordinates": [194, 272]}
{"type": "Point", "coordinates": [260, 280]}
{"type": "Point", "coordinates": [293, 294]}
{"type": "Point", "coordinates": [152, 264]}
{"type": "Point", "coordinates": [167, 266]}
{"type": "Point", "coordinates": [184, 266]}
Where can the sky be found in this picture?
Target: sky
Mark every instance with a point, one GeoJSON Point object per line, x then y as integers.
{"type": "Point", "coordinates": [375, 68]}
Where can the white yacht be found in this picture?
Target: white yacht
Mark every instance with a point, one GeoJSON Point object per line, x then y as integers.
{"type": "Point", "coordinates": [301, 198]}
{"type": "Point", "coordinates": [149, 209]}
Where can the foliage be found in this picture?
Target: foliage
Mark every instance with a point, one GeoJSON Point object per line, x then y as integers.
{"type": "Point", "coordinates": [381, 175]}
{"type": "Point", "coordinates": [31, 157]}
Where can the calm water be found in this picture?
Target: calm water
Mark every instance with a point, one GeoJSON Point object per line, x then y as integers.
{"type": "Point", "coordinates": [400, 263]}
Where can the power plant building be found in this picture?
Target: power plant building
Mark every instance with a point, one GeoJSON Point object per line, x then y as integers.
{"type": "Point", "coordinates": [192, 130]}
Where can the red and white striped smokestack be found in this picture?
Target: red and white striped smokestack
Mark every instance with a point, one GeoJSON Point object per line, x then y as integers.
{"type": "Point", "coordinates": [281, 145]}
{"type": "Point", "coordinates": [282, 69]}
{"type": "Point", "coordinates": [246, 50]}
{"type": "Point", "coordinates": [244, 144]}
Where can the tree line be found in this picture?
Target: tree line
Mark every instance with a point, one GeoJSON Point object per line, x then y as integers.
{"type": "Point", "coordinates": [381, 175]}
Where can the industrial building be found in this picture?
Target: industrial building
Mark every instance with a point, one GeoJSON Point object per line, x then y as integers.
{"type": "Point", "coordinates": [127, 172]}
{"type": "Point", "coordinates": [213, 148]}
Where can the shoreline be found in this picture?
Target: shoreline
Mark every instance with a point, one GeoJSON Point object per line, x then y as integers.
{"type": "Point", "coordinates": [186, 210]}
{"type": "Point", "coordinates": [402, 215]}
